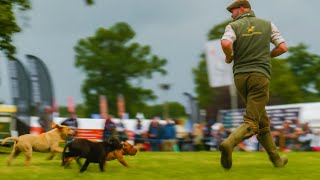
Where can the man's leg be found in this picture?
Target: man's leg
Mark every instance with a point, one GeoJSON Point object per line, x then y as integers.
{"type": "Point", "coordinates": [266, 140]}
{"type": "Point", "coordinates": [243, 132]}
{"type": "Point", "coordinates": [254, 91]}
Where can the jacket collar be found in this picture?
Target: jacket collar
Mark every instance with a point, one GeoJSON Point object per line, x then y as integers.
{"type": "Point", "coordinates": [246, 14]}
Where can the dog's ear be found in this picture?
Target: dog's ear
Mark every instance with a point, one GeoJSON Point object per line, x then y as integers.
{"type": "Point", "coordinates": [54, 125]}
{"type": "Point", "coordinates": [111, 140]}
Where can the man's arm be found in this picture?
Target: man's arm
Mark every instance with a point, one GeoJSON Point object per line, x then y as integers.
{"type": "Point", "coordinates": [227, 40]}
{"type": "Point", "coordinates": [227, 49]}
{"type": "Point", "coordinates": [278, 50]}
{"type": "Point", "coordinates": [278, 41]}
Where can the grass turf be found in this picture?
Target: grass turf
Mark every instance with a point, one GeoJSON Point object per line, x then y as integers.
{"type": "Point", "coordinates": [167, 165]}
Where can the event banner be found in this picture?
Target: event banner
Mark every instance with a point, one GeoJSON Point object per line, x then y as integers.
{"type": "Point", "coordinates": [21, 94]}
{"type": "Point", "coordinates": [219, 72]}
{"type": "Point", "coordinates": [41, 83]}
{"type": "Point", "coordinates": [233, 118]}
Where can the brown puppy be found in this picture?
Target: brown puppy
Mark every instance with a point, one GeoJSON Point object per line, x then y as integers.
{"type": "Point", "coordinates": [127, 149]}
{"type": "Point", "coordinates": [45, 142]}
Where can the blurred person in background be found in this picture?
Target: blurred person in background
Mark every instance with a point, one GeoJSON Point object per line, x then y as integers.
{"type": "Point", "coordinates": [181, 134]}
{"type": "Point", "coordinates": [221, 135]}
{"type": "Point", "coordinates": [218, 134]}
{"type": "Point", "coordinates": [305, 137]}
{"type": "Point", "coordinates": [315, 141]}
{"type": "Point", "coordinates": [197, 134]}
{"type": "Point", "coordinates": [138, 132]}
{"type": "Point", "coordinates": [287, 136]}
{"type": "Point", "coordinates": [168, 135]}
{"type": "Point", "coordinates": [154, 134]}
{"type": "Point", "coordinates": [207, 136]}
{"type": "Point", "coordinates": [72, 123]}
{"type": "Point", "coordinates": [109, 129]}
{"type": "Point", "coordinates": [121, 130]}
{"type": "Point", "coordinates": [188, 143]}
{"type": "Point", "coordinates": [295, 123]}
{"type": "Point", "coordinates": [46, 119]}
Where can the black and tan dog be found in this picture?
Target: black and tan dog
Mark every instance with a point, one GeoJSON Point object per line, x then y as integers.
{"type": "Point", "coordinates": [45, 142]}
{"type": "Point", "coordinates": [94, 152]}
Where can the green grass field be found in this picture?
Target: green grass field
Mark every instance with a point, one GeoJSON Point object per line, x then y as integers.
{"type": "Point", "coordinates": [168, 165]}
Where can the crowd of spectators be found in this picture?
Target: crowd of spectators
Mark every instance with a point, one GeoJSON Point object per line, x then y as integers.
{"type": "Point", "coordinates": [290, 136]}
{"type": "Point", "coordinates": [296, 136]}
{"type": "Point", "coordinates": [173, 136]}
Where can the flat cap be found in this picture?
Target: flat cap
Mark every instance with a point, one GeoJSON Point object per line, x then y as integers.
{"type": "Point", "coordinates": [237, 4]}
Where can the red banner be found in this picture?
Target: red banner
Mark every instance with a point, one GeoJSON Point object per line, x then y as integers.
{"type": "Point", "coordinates": [121, 106]}
{"type": "Point", "coordinates": [103, 106]}
{"type": "Point", "coordinates": [71, 108]}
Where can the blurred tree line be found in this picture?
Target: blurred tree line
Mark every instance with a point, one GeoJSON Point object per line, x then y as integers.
{"type": "Point", "coordinates": [8, 24]}
{"type": "Point", "coordinates": [113, 64]}
{"type": "Point", "coordinates": [295, 79]}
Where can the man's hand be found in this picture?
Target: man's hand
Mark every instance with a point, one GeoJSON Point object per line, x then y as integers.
{"type": "Point", "coordinates": [229, 59]}
{"type": "Point", "coordinates": [280, 49]}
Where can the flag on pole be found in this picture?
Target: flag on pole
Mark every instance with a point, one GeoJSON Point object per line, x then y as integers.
{"type": "Point", "coordinates": [103, 106]}
{"type": "Point", "coordinates": [71, 108]}
{"type": "Point", "coordinates": [220, 73]}
{"type": "Point", "coordinates": [121, 106]}
{"type": "Point", "coordinates": [55, 108]}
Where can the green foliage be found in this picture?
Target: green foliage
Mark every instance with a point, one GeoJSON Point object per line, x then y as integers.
{"type": "Point", "coordinates": [9, 25]}
{"type": "Point", "coordinates": [217, 31]}
{"type": "Point", "coordinates": [305, 67]}
{"type": "Point", "coordinates": [202, 87]}
{"type": "Point", "coordinates": [80, 111]}
{"type": "Point", "coordinates": [175, 110]}
{"type": "Point", "coordinates": [63, 111]}
{"type": "Point", "coordinates": [112, 62]}
{"type": "Point", "coordinates": [90, 2]}
{"type": "Point", "coordinates": [283, 86]}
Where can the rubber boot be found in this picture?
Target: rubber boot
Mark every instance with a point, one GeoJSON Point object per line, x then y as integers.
{"type": "Point", "coordinates": [268, 144]}
{"type": "Point", "coordinates": [243, 132]}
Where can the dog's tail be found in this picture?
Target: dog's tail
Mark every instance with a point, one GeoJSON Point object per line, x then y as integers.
{"type": "Point", "coordinates": [9, 138]}
{"type": "Point", "coordinates": [64, 154]}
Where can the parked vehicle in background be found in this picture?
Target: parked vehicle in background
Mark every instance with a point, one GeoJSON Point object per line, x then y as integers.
{"type": "Point", "coordinates": [8, 123]}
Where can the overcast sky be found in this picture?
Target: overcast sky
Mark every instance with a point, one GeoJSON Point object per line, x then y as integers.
{"type": "Point", "coordinates": [175, 29]}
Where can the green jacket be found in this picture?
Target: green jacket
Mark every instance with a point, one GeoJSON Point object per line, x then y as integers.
{"type": "Point", "coordinates": [252, 46]}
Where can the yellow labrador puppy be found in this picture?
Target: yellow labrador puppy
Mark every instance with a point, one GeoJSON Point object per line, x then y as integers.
{"type": "Point", "coordinates": [45, 142]}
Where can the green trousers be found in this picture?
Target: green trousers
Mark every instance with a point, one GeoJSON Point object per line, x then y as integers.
{"type": "Point", "coordinates": [254, 91]}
